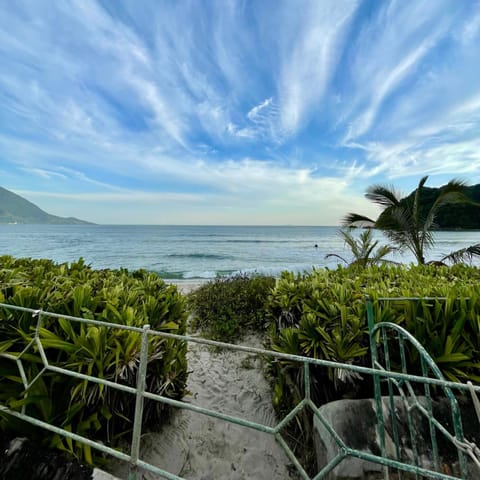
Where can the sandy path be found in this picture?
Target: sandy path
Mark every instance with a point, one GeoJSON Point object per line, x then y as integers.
{"type": "Point", "coordinates": [199, 447]}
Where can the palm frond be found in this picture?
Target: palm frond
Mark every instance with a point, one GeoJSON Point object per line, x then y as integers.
{"type": "Point", "coordinates": [348, 238]}
{"type": "Point", "coordinates": [363, 249]}
{"type": "Point", "coordinates": [427, 239]}
{"type": "Point", "coordinates": [400, 239]}
{"type": "Point", "coordinates": [395, 218]}
{"type": "Point", "coordinates": [417, 202]}
{"type": "Point", "coordinates": [368, 249]}
{"type": "Point", "coordinates": [462, 255]}
{"type": "Point", "coordinates": [382, 252]}
{"type": "Point", "coordinates": [452, 192]}
{"type": "Point", "coordinates": [356, 246]}
{"type": "Point", "coordinates": [334, 255]}
{"type": "Point", "coordinates": [356, 220]}
{"type": "Point", "coordinates": [409, 222]}
{"type": "Point", "coordinates": [383, 195]}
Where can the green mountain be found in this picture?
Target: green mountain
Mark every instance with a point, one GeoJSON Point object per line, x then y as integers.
{"type": "Point", "coordinates": [461, 216]}
{"type": "Point", "coordinates": [16, 209]}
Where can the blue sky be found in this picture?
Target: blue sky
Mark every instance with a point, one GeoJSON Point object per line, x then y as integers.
{"type": "Point", "coordinates": [234, 112]}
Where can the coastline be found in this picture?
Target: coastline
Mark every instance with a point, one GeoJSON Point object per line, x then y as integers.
{"type": "Point", "coordinates": [187, 286]}
{"type": "Point", "coordinates": [200, 447]}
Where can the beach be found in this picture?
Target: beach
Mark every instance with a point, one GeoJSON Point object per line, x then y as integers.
{"type": "Point", "coordinates": [200, 447]}
{"type": "Point", "coordinates": [196, 446]}
{"type": "Point", "coordinates": [186, 286]}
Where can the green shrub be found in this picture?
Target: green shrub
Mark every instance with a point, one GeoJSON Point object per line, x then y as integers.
{"type": "Point", "coordinates": [114, 296]}
{"type": "Point", "coordinates": [226, 308]}
{"type": "Point", "coordinates": [322, 315]}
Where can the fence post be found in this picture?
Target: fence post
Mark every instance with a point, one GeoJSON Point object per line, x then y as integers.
{"type": "Point", "coordinates": [376, 380]}
{"type": "Point", "coordinates": [137, 423]}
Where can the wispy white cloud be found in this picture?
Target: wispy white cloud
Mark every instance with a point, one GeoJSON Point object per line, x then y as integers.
{"type": "Point", "coordinates": [310, 61]}
{"type": "Point", "coordinates": [364, 122]}
{"type": "Point", "coordinates": [257, 112]}
{"type": "Point", "coordinates": [260, 122]}
{"type": "Point", "coordinates": [428, 157]}
{"type": "Point", "coordinates": [388, 52]}
{"type": "Point", "coordinates": [46, 174]}
{"type": "Point", "coordinates": [250, 196]}
{"type": "Point", "coordinates": [413, 107]}
{"type": "Point", "coordinates": [111, 197]}
{"type": "Point", "coordinates": [242, 105]}
{"type": "Point", "coordinates": [470, 33]}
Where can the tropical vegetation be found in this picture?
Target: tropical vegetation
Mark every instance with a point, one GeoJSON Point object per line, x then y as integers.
{"type": "Point", "coordinates": [227, 308]}
{"type": "Point", "coordinates": [114, 296]}
{"type": "Point", "coordinates": [408, 223]}
{"type": "Point", "coordinates": [320, 314]}
{"type": "Point", "coordinates": [456, 216]}
{"type": "Point", "coordinates": [323, 315]}
{"type": "Point", "coordinates": [363, 249]}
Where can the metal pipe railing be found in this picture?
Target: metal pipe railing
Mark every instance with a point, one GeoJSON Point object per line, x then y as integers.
{"type": "Point", "coordinates": [397, 379]}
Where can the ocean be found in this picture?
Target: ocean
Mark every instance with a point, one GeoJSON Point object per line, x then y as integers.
{"type": "Point", "coordinates": [197, 252]}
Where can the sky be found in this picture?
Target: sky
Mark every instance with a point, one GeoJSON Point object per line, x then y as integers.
{"type": "Point", "coordinates": [251, 112]}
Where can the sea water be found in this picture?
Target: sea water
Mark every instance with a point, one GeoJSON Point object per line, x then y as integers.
{"type": "Point", "coordinates": [198, 252]}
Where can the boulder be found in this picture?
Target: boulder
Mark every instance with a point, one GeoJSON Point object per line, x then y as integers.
{"type": "Point", "coordinates": [355, 423]}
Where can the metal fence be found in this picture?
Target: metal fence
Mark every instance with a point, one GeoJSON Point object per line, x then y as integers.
{"type": "Point", "coordinates": [382, 373]}
{"type": "Point", "coordinates": [384, 336]}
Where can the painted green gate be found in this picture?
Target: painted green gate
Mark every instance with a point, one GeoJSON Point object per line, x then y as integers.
{"type": "Point", "coordinates": [416, 398]}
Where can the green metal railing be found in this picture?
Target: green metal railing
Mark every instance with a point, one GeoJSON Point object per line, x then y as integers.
{"type": "Point", "coordinates": [400, 380]}
{"type": "Point", "coordinates": [381, 336]}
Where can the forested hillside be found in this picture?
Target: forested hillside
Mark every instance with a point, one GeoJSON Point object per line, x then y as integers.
{"type": "Point", "coordinates": [462, 216]}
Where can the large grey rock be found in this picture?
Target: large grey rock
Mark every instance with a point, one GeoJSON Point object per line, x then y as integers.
{"type": "Point", "coordinates": [355, 423]}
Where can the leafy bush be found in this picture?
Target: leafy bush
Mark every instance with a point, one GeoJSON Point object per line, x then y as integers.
{"type": "Point", "coordinates": [322, 315]}
{"type": "Point", "coordinates": [226, 308]}
{"type": "Point", "coordinates": [114, 296]}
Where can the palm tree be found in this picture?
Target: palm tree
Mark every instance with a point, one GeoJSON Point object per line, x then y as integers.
{"type": "Point", "coordinates": [405, 222]}
{"type": "Point", "coordinates": [363, 249]}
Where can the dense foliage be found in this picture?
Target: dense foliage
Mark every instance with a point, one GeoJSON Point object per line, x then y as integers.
{"type": "Point", "coordinates": [462, 216]}
{"type": "Point", "coordinates": [322, 315]}
{"type": "Point", "coordinates": [114, 296]}
{"type": "Point", "coordinates": [226, 308]}
{"type": "Point", "coordinates": [409, 222]}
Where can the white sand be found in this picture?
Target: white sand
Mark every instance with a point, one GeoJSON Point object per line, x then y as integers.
{"type": "Point", "coordinates": [199, 447]}
{"type": "Point", "coordinates": [186, 286]}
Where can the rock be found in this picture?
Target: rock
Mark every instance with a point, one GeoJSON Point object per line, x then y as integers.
{"type": "Point", "coordinates": [355, 423]}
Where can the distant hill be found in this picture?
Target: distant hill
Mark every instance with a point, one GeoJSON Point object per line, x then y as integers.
{"type": "Point", "coordinates": [462, 216]}
{"type": "Point", "coordinates": [16, 209]}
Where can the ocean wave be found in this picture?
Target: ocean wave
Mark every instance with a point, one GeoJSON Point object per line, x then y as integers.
{"type": "Point", "coordinates": [211, 274]}
{"type": "Point", "coordinates": [208, 256]}
{"type": "Point", "coordinates": [192, 275]}
{"type": "Point", "coordinates": [256, 241]}
{"type": "Point", "coordinates": [275, 271]}
{"type": "Point", "coordinates": [166, 275]}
